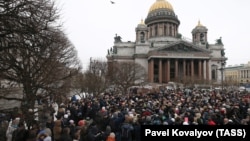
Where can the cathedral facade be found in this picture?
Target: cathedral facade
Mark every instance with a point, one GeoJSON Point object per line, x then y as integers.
{"type": "Point", "coordinates": [166, 55]}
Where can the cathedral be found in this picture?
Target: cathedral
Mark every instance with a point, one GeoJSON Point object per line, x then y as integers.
{"type": "Point", "coordinates": [168, 57]}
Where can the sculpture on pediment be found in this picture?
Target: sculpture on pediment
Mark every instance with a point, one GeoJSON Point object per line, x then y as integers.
{"type": "Point", "coordinates": [112, 50]}
{"type": "Point", "coordinates": [152, 44]}
{"type": "Point", "coordinates": [219, 41]}
{"type": "Point", "coordinates": [207, 45]}
{"type": "Point", "coordinates": [115, 50]}
{"type": "Point", "coordinates": [222, 53]}
{"type": "Point", "coordinates": [117, 38]}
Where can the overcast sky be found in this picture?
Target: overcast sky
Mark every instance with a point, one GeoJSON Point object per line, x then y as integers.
{"type": "Point", "coordinates": [92, 24]}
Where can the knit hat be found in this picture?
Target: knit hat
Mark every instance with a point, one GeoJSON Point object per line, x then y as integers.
{"type": "Point", "coordinates": [81, 123]}
{"type": "Point", "coordinates": [165, 123]}
{"type": "Point", "coordinates": [66, 116]}
{"type": "Point", "coordinates": [211, 122]}
{"type": "Point", "coordinates": [112, 134]}
{"type": "Point", "coordinates": [48, 131]}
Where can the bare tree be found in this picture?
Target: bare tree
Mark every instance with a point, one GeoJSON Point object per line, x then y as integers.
{"type": "Point", "coordinates": [125, 74]}
{"type": "Point", "coordinates": [34, 51]}
{"type": "Point", "coordinates": [94, 77]}
{"type": "Point", "coordinates": [77, 84]}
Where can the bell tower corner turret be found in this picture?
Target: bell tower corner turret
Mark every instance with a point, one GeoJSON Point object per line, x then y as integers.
{"type": "Point", "coordinates": [199, 34]}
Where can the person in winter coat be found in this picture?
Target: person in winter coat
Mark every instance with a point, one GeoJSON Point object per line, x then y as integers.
{"type": "Point", "coordinates": [66, 134]}
{"type": "Point", "coordinates": [57, 130]}
{"type": "Point", "coordinates": [20, 134]}
{"type": "Point", "coordinates": [12, 127]}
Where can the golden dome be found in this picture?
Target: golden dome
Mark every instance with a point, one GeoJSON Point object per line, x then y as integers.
{"type": "Point", "coordinates": [161, 4]}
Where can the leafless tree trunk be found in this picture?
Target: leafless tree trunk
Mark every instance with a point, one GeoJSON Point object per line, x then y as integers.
{"type": "Point", "coordinates": [95, 77]}
{"type": "Point", "coordinates": [125, 74]}
{"type": "Point", "coordinates": [34, 51]}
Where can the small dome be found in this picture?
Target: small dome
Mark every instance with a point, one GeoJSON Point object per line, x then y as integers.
{"type": "Point", "coordinates": [141, 24]}
{"type": "Point", "coordinates": [159, 4]}
{"type": "Point", "coordinates": [199, 28]}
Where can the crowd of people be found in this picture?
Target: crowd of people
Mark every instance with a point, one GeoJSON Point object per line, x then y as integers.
{"type": "Point", "coordinates": [114, 117]}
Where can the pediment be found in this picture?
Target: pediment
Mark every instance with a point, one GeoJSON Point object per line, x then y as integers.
{"type": "Point", "coordinates": [182, 47]}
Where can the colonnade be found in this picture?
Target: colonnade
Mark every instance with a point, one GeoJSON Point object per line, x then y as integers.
{"type": "Point", "coordinates": [163, 70]}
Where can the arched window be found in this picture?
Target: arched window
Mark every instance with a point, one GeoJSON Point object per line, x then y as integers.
{"type": "Point", "coordinates": [214, 74]}
{"type": "Point", "coordinates": [202, 38]}
{"type": "Point", "coordinates": [142, 37]}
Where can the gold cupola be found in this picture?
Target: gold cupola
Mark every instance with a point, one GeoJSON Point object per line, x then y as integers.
{"type": "Point", "coordinates": [161, 10]}
{"type": "Point", "coordinates": [159, 4]}
{"type": "Point", "coordinates": [162, 20]}
{"type": "Point", "coordinates": [199, 34]}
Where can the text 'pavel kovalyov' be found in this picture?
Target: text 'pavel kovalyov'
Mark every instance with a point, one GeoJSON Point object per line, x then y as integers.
{"type": "Point", "coordinates": [177, 132]}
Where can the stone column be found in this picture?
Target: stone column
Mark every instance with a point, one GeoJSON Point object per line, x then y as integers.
{"type": "Point", "coordinates": [168, 70]}
{"type": "Point", "coordinates": [188, 68]}
{"type": "Point", "coordinates": [204, 69]}
{"type": "Point", "coordinates": [167, 26]}
{"type": "Point", "coordinates": [160, 71]}
{"type": "Point", "coordinates": [184, 70]}
{"type": "Point", "coordinates": [200, 76]}
{"type": "Point", "coordinates": [176, 69]}
{"type": "Point", "coordinates": [164, 66]}
{"type": "Point", "coordinates": [151, 71]}
{"type": "Point", "coordinates": [192, 69]}
{"type": "Point", "coordinates": [207, 70]}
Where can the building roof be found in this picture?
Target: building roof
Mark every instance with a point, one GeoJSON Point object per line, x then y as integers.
{"type": "Point", "coordinates": [161, 11]}
{"type": "Point", "coordinates": [199, 27]}
{"type": "Point", "coordinates": [159, 4]}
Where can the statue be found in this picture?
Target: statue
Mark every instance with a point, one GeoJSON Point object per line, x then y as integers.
{"type": "Point", "coordinates": [219, 41]}
{"type": "Point", "coordinates": [115, 50]}
{"type": "Point", "coordinates": [152, 44]}
{"type": "Point", "coordinates": [222, 53]}
{"type": "Point", "coordinates": [207, 45]}
{"type": "Point", "coordinates": [117, 38]}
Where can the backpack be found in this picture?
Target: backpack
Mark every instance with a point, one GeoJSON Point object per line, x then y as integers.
{"type": "Point", "coordinates": [126, 131]}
